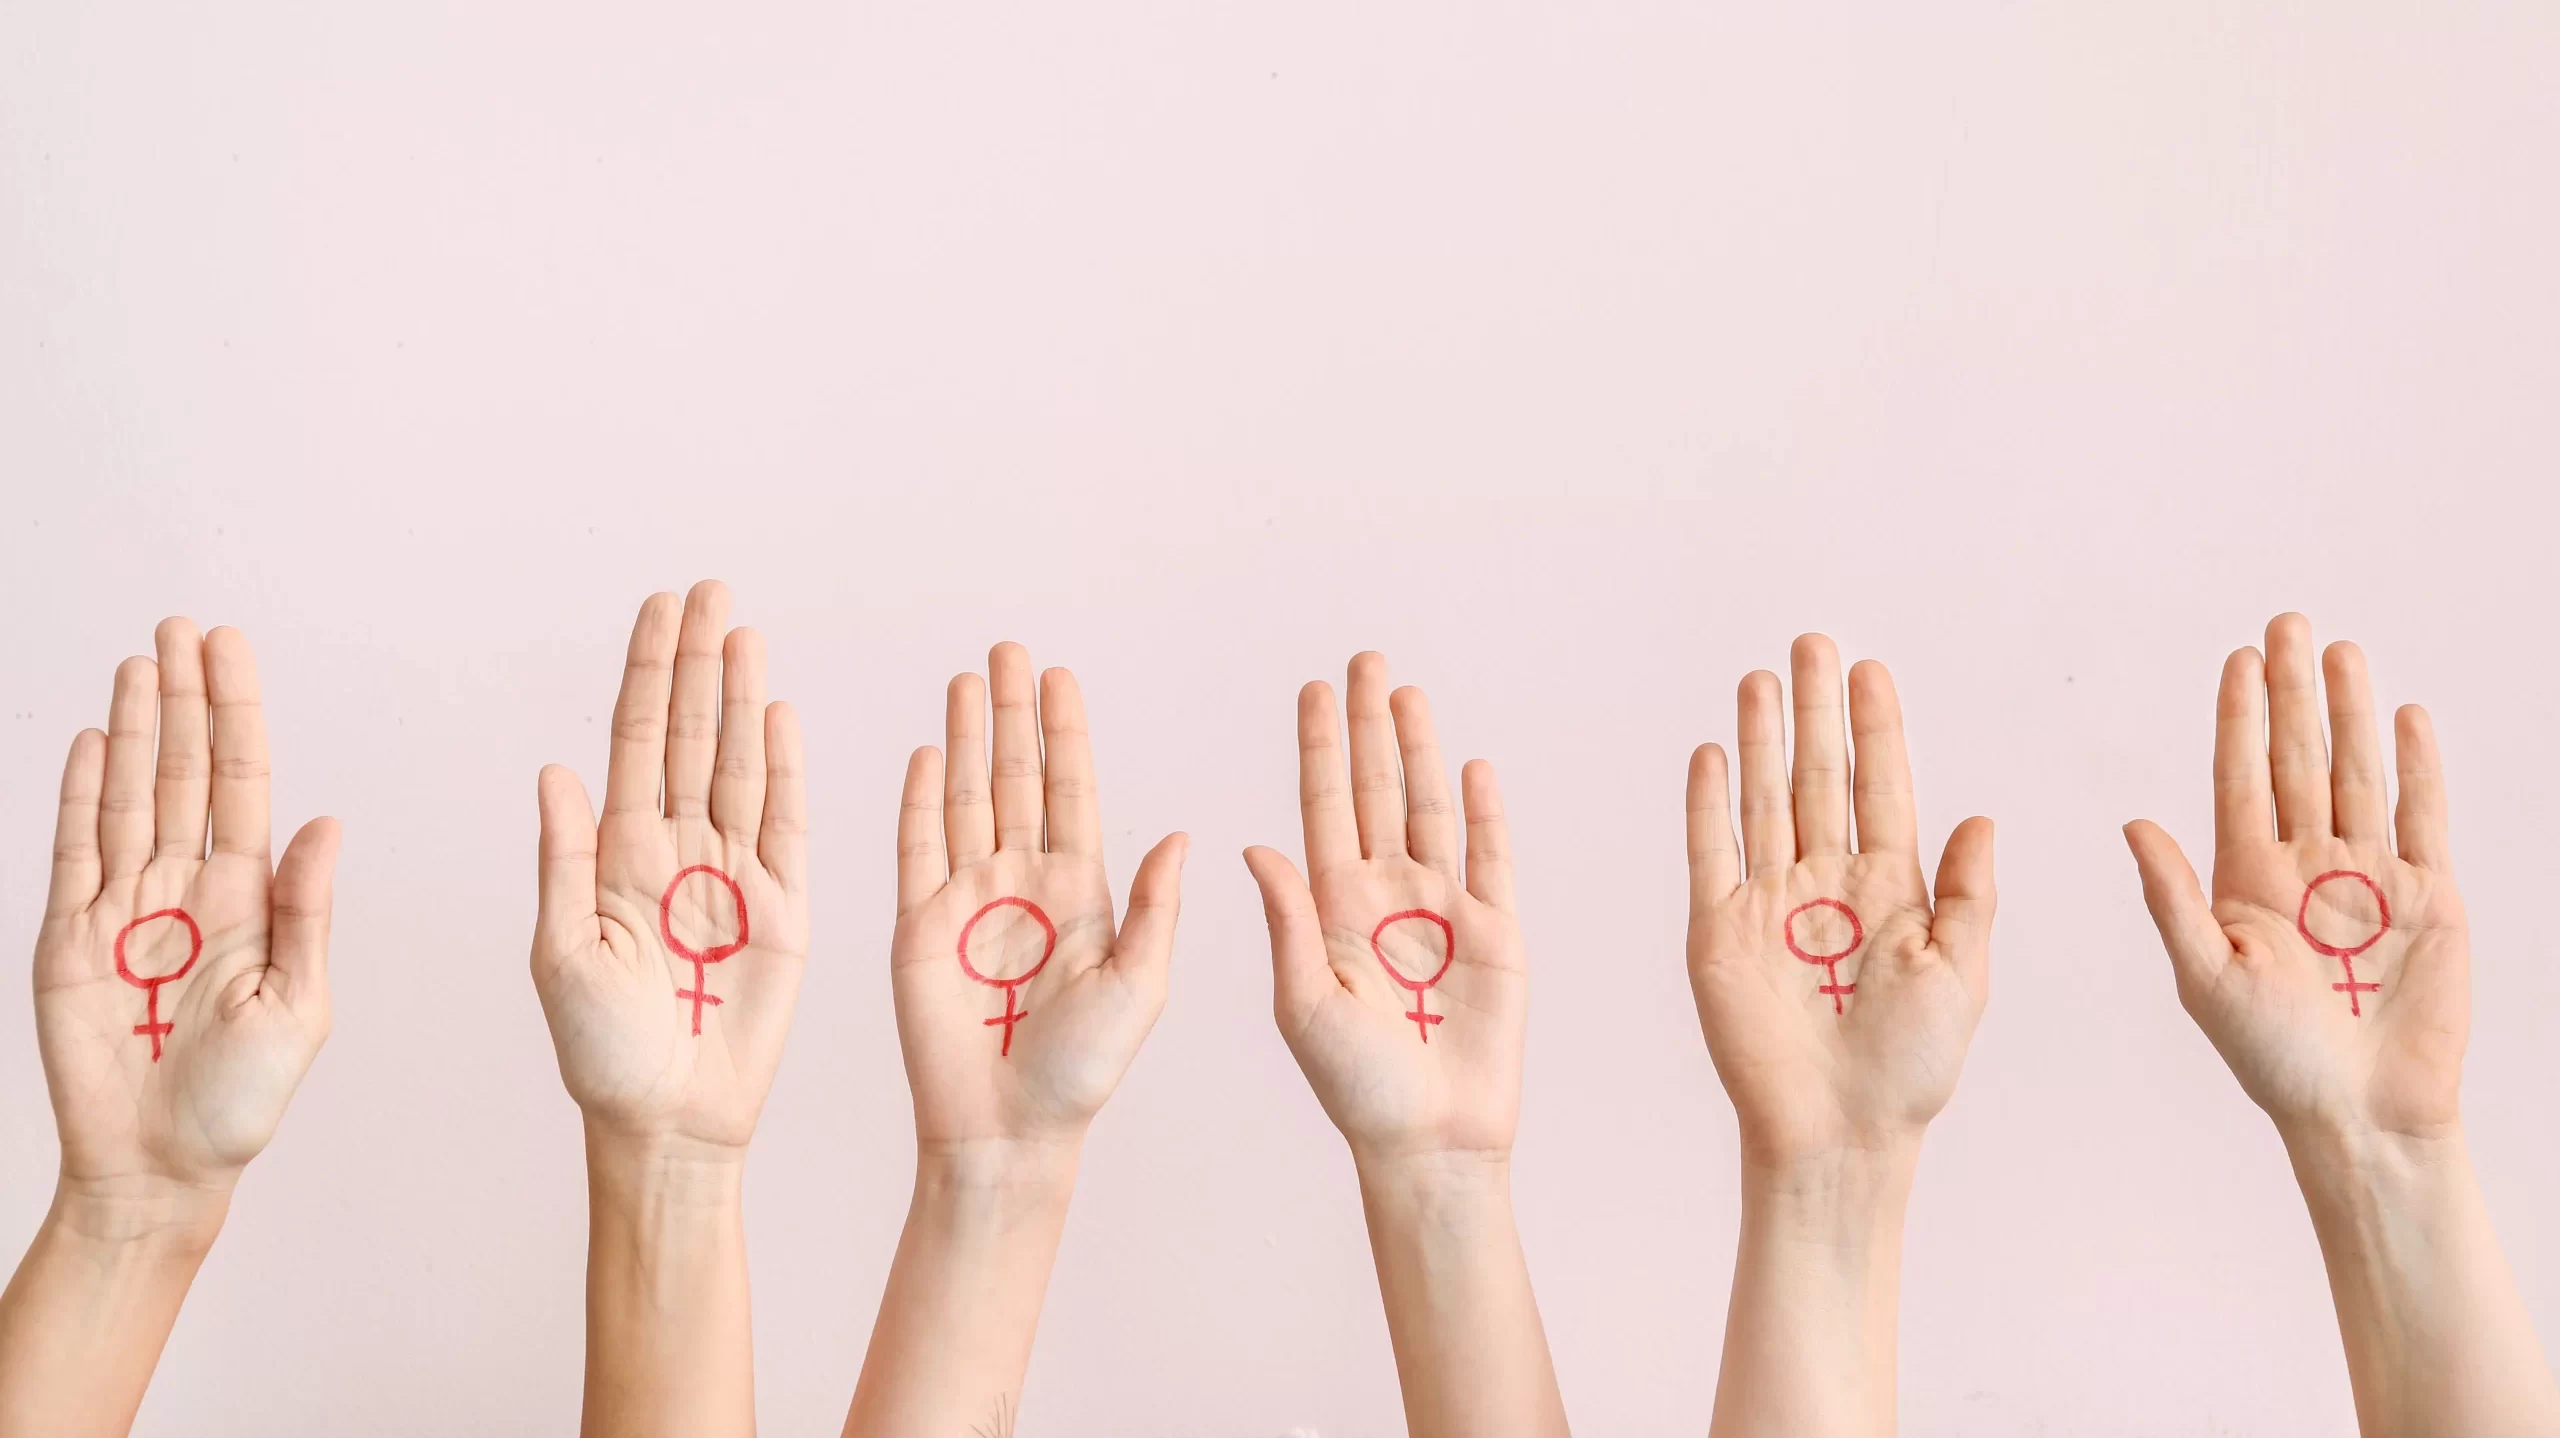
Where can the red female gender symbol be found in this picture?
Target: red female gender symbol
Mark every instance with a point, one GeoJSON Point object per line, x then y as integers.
{"type": "Point", "coordinates": [700, 992]}
{"type": "Point", "coordinates": [1422, 1020]}
{"type": "Point", "coordinates": [2345, 956]}
{"type": "Point", "coordinates": [1830, 962]}
{"type": "Point", "coordinates": [1048, 945]}
{"type": "Point", "coordinates": [150, 983]}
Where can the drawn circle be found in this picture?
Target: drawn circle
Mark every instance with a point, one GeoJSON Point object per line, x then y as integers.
{"type": "Point", "coordinates": [666, 917]}
{"type": "Point", "coordinates": [195, 946]}
{"type": "Point", "coordinates": [2302, 916]}
{"type": "Point", "coordinates": [1857, 931]}
{"type": "Point", "coordinates": [1448, 947]}
{"type": "Point", "coordinates": [1048, 946]}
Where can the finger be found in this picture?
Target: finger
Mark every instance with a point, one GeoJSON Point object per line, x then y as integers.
{"type": "Point", "coordinates": [240, 823]}
{"type": "Point", "coordinates": [2426, 838]}
{"type": "Point", "coordinates": [76, 871]}
{"type": "Point", "coordinates": [1822, 749]}
{"type": "Point", "coordinates": [185, 785]}
{"type": "Point", "coordinates": [1966, 898]}
{"type": "Point", "coordinates": [1768, 816]}
{"type": "Point", "coordinates": [1430, 821]}
{"type": "Point", "coordinates": [782, 840]}
{"type": "Point", "coordinates": [693, 715]}
{"type": "Point", "coordinates": [737, 779]}
{"type": "Point", "coordinates": [2243, 796]}
{"type": "Point", "coordinates": [1075, 810]}
{"type": "Point", "coordinates": [2356, 789]}
{"type": "Point", "coordinates": [1300, 976]}
{"type": "Point", "coordinates": [1488, 837]}
{"type": "Point", "coordinates": [1377, 789]}
{"type": "Point", "coordinates": [1324, 794]}
{"type": "Point", "coordinates": [639, 757]}
{"type": "Point", "coordinates": [968, 817]}
{"type": "Point", "coordinates": [298, 941]}
{"type": "Point", "coordinates": [565, 914]}
{"type": "Point", "coordinates": [124, 810]}
{"type": "Point", "coordinates": [1888, 822]}
{"type": "Point", "coordinates": [920, 871]}
{"type": "Point", "coordinates": [1017, 748]}
{"type": "Point", "coordinates": [1144, 950]}
{"type": "Point", "coordinates": [2197, 946]}
{"type": "Point", "coordinates": [2296, 754]}
{"type": "Point", "coordinates": [1715, 866]}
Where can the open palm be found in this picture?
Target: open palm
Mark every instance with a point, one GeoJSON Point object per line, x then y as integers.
{"type": "Point", "coordinates": [672, 936]}
{"type": "Point", "coordinates": [1837, 1003]}
{"type": "Point", "coordinates": [1020, 1001]}
{"type": "Point", "coordinates": [2331, 973]}
{"type": "Point", "coordinates": [1399, 979]}
{"type": "Point", "coordinates": [180, 994]}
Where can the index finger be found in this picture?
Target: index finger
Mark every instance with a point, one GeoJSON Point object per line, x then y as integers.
{"type": "Point", "coordinates": [239, 745]}
{"type": "Point", "coordinates": [639, 756]}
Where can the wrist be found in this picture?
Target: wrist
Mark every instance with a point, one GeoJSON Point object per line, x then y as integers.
{"type": "Point", "coordinates": [664, 1171]}
{"type": "Point", "coordinates": [1849, 1200]}
{"type": "Point", "coordinates": [141, 1213]}
{"type": "Point", "coordinates": [997, 1175]}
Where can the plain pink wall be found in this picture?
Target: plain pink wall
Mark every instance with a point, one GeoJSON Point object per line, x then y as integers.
{"type": "Point", "coordinates": [1577, 360]}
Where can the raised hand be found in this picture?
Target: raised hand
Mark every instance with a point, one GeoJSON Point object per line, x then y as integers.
{"type": "Point", "coordinates": [2332, 972]}
{"type": "Point", "coordinates": [1021, 1001]}
{"type": "Point", "coordinates": [668, 954]}
{"type": "Point", "coordinates": [1837, 1001]}
{"type": "Point", "coordinates": [1399, 983]}
{"type": "Point", "coordinates": [671, 937]}
{"type": "Point", "coordinates": [1020, 1005]}
{"type": "Point", "coordinates": [180, 992]}
{"type": "Point", "coordinates": [1397, 973]}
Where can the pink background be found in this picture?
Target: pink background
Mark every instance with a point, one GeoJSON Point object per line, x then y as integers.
{"type": "Point", "coordinates": [1577, 360]}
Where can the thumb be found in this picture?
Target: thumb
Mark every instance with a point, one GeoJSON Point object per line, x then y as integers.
{"type": "Point", "coordinates": [298, 919]}
{"type": "Point", "coordinates": [1144, 949]}
{"type": "Point", "coordinates": [2197, 946]}
{"type": "Point", "coordinates": [1961, 928]}
{"type": "Point", "coordinates": [566, 919]}
{"type": "Point", "coordinates": [1300, 975]}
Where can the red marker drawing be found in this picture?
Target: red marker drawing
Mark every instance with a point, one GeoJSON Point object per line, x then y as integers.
{"type": "Point", "coordinates": [700, 993]}
{"type": "Point", "coordinates": [1830, 962]}
{"type": "Point", "coordinates": [150, 983]}
{"type": "Point", "coordinates": [1422, 1019]}
{"type": "Point", "coordinates": [2346, 956]}
{"type": "Point", "coordinates": [1013, 1014]}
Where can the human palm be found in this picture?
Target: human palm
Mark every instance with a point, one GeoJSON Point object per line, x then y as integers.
{"type": "Point", "coordinates": [180, 993]}
{"type": "Point", "coordinates": [1400, 983]}
{"type": "Point", "coordinates": [2331, 973]}
{"type": "Point", "coordinates": [673, 934]}
{"type": "Point", "coordinates": [1836, 999]}
{"type": "Point", "coordinates": [1021, 1001]}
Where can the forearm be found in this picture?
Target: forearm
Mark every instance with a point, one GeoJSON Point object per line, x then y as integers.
{"type": "Point", "coordinates": [85, 1317]}
{"type": "Point", "coordinates": [963, 1301]}
{"type": "Point", "coordinates": [669, 1343]}
{"type": "Point", "coordinates": [2438, 1339]}
{"type": "Point", "coordinates": [1470, 1351]}
{"type": "Point", "coordinates": [1809, 1337]}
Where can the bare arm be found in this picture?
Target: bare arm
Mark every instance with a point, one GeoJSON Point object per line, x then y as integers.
{"type": "Point", "coordinates": [2332, 970]}
{"type": "Point", "coordinates": [1400, 985]}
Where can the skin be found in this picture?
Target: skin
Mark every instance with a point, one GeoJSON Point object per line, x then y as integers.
{"type": "Point", "coordinates": [703, 771]}
{"type": "Point", "coordinates": [1831, 1104]}
{"type": "Point", "coordinates": [998, 1134]}
{"type": "Point", "coordinates": [1430, 1121]}
{"type": "Point", "coordinates": [152, 1150]}
{"type": "Point", "coordinates": [2368, 1105]}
